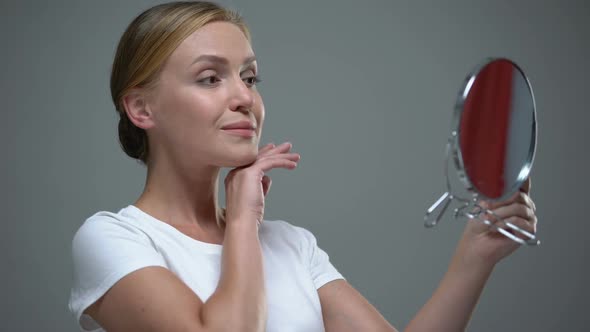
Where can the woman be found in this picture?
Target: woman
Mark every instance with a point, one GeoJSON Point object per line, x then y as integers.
{"type": "Point", "coordinates": [184, 84]}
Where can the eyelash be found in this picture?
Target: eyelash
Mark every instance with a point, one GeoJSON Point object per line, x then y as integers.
{"type": "Point", "coordinates": [256, 80]}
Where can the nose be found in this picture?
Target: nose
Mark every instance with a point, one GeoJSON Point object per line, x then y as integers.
{"type": "Point", "coordinates": [242, 96]}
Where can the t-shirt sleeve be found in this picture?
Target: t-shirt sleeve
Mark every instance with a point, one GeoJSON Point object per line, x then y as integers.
{"type": "Point", "coordinates": [321, 269]}
{"type": "Point", "coordinates": [104, 250]}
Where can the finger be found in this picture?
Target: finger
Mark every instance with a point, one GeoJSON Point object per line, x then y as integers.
{"type": "Point", "coordinates": [519, 227]}
{"type": "Point", "coordinates": [281, 148]}
{"type": "Point", "coordinates": [266, 148]}
{"type": "Point", "coordinates": [269, 163]}
{"type": "Point", "coordinates": [289, 156]}
{"type": "Point", "coordinates": [514, 210]}
{"type": "Point", "coordinates": [527, 200]}
{"type": "Point", "coordinates": [274, 149]}
{"type": "Point", "coordinates": [532, 203]}
{"type": "Point", "coordinates": [518, 197]}
{"type": "Point", "coordinates": [526, 186]}
{"type": "Point", "coordinates": [266, 182]}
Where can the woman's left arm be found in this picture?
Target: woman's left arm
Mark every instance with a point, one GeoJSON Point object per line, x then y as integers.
{"type": "Point", "coordinates": [478, 251]}
{"type": "Point", "coordinates": [450, 307]}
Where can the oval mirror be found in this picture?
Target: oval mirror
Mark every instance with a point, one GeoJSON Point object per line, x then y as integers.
{"type": "Point", "coordinates": [493, 141]}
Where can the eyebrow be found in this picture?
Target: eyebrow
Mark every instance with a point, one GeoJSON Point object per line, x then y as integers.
{"type": "Point", "coordinates": [219, 59]}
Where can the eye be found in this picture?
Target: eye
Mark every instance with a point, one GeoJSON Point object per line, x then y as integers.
{"type": "Point", "coordinates": [209, 80]}
{"type": "Point", "coordinates": [252, 80]}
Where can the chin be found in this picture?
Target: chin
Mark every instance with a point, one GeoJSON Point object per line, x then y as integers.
{"type": "Point", "coordinates": [242, 158]}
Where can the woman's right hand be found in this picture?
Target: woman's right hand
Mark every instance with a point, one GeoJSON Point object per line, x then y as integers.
{"type": "Point", "coordinates": [247, 186]}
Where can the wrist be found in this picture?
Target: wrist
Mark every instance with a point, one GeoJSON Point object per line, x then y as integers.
{"type": "Point", "coordinates": [470, 269]}
{"type": "Point", "coordinates": [242, 225]}
{"type": "Point", "coordinates": [244, 217]}
{"type": "Point", "coordinates": [467, 260]}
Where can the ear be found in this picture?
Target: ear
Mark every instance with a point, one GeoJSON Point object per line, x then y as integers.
{"type": "Point", "coordinates": [137, 109]}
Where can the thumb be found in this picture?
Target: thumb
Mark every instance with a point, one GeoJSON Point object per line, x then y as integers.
{"type": "Point", "coordinates": [526, 186]}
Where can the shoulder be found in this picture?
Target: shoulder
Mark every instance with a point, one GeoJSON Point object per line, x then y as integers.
{"type": "Point", "coordinates": [107, 237]}
{"type": "Point", "coordinates": [289, 237]}
{"type": "Point", "coordinates": [281, 232]}
{"type": "Point", "coordinates": [105, 248]}
{"type": "Point", "coordinates": [108, 246]}
{"type": "Point", "coordinates": [284, 228]}
{"type": "Point", "coordinates": [104, 225]}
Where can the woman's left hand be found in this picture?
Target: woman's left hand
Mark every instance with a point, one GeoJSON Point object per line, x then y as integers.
{"type": "Point", "coordinates": [481, 244]}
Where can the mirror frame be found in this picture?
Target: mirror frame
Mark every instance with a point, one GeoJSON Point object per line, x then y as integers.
{"type": "Point", "coordinates": [455, 133]}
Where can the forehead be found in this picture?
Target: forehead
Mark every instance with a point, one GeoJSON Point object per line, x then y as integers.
{"type": "Point", "coordinates": [216, 38]}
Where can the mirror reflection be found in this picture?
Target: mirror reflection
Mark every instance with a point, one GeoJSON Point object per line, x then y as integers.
{"type": "Point", "coordinates": [497, 130]}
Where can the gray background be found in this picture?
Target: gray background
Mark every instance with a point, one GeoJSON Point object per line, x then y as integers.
{"type": "Point", "coordinates": [364, 90]}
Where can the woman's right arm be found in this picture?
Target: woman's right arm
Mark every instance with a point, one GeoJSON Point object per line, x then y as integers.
{"type": "Point", "coordinates": [154, 299]}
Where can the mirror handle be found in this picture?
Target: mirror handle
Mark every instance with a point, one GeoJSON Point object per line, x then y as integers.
{"type": "Point", "coordinates": [530, 240]}
{"type": "Point", "coordinates": [431, 218]}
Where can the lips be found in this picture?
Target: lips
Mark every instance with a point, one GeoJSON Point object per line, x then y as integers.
{"type": "Point", "coordinates": [240, 125]}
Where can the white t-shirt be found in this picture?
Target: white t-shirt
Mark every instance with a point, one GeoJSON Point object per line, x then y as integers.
{"type": "Point", "coordinates": [109, 246]}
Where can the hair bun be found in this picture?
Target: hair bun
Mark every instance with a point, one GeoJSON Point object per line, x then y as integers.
{"type": "Point", "coordinates": [133, 139]}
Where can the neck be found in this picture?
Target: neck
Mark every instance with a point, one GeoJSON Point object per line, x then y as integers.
{"type": "Point", "coordinates": [180, 197]}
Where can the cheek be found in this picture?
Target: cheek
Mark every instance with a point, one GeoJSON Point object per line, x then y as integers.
{"type": "Point", "coordinates": [260, 111]}
{"type": "Point", "coordinates": [186, 108]}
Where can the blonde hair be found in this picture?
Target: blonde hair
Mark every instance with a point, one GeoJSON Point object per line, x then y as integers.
{"type": "Point", "coordinates": [143, 49]}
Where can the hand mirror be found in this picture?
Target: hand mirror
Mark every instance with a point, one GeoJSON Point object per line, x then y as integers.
{"type": "Point", "coordinates": [492, 143]}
